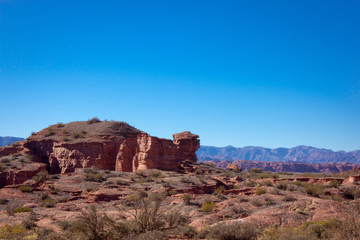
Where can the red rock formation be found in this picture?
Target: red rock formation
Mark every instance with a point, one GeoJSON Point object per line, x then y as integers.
{"type": "Point", "coordinates": [233, 167]}
{"type": "Point", "coordinates": [18, 176]}
{"type": "Point", "coordinates": [109, 145]}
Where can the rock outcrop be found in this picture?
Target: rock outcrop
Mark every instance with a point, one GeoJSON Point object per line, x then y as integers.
{"type": "Point", "coordinates": [18, 176]}
{"type": "Point", "coordinates": [108, 145]}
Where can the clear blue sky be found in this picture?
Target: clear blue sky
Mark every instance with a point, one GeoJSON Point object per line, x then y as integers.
{"type": "Point", "coordinates": [263, 73]}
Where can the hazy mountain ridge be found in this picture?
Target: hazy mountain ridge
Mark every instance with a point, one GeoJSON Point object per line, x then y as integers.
{"type": "Point", "coordinates": [305, 154]}
{"type": "Point", "coordinates": [9, 140]}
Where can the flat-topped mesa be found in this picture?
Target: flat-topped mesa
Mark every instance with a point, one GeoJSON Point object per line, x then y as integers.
{"type": "Point", "coordinates": [109, 145]}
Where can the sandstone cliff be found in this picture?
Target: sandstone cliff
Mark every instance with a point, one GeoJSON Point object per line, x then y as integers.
{"type": "Point", "coordinates": [106, 145]}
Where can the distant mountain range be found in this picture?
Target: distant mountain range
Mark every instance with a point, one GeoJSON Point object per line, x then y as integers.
{"type": "Point", "coordinates": [301, 154]}
{"type": "Point", "coordinates": [287, 166]}
{"type": "Point", "coordinates": [9, 140]}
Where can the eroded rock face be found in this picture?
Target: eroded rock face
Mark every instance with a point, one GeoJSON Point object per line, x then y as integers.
{"type": "Point", "coordinates": [106, 145]}
{"type": "Point", "coordinates": [18, 176]}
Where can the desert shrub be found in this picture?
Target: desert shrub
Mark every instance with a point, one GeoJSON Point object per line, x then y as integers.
{"type": "Point", "coordinates": [28, 223]}
{"type": "Point", "coordinates": [256, 170]}
{"type": "Point", "coordinates": [351, 192]}
{"type": "Point", "coordinates": [77, 135]}
{"type": "Point", "coordinates": [43, 196]}
{"type": "Point", "coordinates": [16, 144]}
{"type": "Point", "coordinates": [63, 131]}
{"type": "Point", "coordinates": [12, 231]}
{"type": "Point", "coordinates": [256, 202]}
{"type": "Point", "coordinates": [65, 139]}
{"type": "Point", "coordinates": [171, 192]}
{"type": "Point", "coordinates": [208, 206]}
{"type": "Point", "coordinates": [233, 231]}
{"type": "Point", "coordinates": [298, 183]}
{"type": "Point", "coordinates": [146, 214]}
{"type": "Point", "coordinates": [289, 198]}
{"type": "Point", "coordinates": [269, 201]}
{"type": "Point", "coordinates": [218, 190]}
{"type": "Point", "coordinates": [188, 232]}
{"type": "Point", "coordinates": [48, 202]}
{"type": "Point", "coordinates": [94, 225]}
{"type": "Point", "coordinates": [229, 174]}
{"type": "Point", "coordinates": [250, 183]}
{"type": "Point", "coordinates": [266, 183]}
{"type": "Point", "coordinates": [50, 132]}
{"type": "Point", "coordinates": [3, 201]}
{"type": "Point", "coordinates": [59, 125]}
{"type": "Point", "coordinates": [94, 177]}
{"type": "Point", "coordinates": [314, 190]}
{"type": "Point", "coordinates": [282, 185]}
{"type": "Point", "coordinates": [26, 189]}
{"type": "Point", "coordinates": [41, 176]}
{"type": "Point", "coordinates": [154, 173]}
{"type": "Point", "coordinates": [186, 198]}
{"type": "Point", "coordinates": [122, 183]}
{"type": "Point", "coordinates": [93, 120]}
{"type": "Point", "coordinates": [198, 171]}
{"type": "Point", "coordinates": [260, 190]}
{"type": "Point", "coordinates": [334, 183]}
{"type": "Point", "coordinates": [23, 209]}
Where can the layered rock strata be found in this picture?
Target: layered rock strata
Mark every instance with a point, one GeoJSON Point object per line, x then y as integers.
{"type": "Point", "coordinates": [108, 145]}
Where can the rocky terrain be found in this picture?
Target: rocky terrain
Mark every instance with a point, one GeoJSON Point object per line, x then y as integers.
{"type": "Point", "coordinates": [107, 145]}
{"type": "Point", "coordinates": [9, 140]}
{"type": "Point", "coordinates": [108, 180]}
{"type": "Point", "coordinates": [302, 154]}
{"type": "Point", "coordinates": [287, 166]}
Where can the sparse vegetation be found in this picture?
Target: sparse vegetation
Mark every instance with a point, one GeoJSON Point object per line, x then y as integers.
{"type": "Point", "coordinates": [260, 190]}
{"type": "Point", "coordinates": [207, 206]}
{"type": "Point", "coordinates": [93, 120]}
{"type": "Point", "coordinates": [23, 209]}
{"type": "Point", "coordinates": [233, 231]}
{"type": "Point", "coordinates": [25, 189]}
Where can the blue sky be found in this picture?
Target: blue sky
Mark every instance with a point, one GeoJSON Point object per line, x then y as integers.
{"type": "Point", "coordinates": [260, 73]}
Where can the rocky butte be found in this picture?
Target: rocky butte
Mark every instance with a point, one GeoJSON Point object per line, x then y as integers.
{"type": "Point", "coordinates": [107, 145]}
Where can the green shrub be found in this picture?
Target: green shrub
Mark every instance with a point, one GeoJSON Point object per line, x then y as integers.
{"type": "Point", "coordinates": [256, 170]}
{"type": "Point", "coordinates": [314, 190]}
{"type": "Point", "coordinates": [172, 192]}
{"type": "Point", "coordinates": [41, 176]}
{"type": "Point", "coordinates": [154, 173]}
{"type": "Point", "coordinates": [23, 209]}
{"type": "Point", "coordinates": [186, 198]}
{"type": "Point", "coordinates": [282, 185]}
{"type": "Point", "coordinates": [48, 202]}
{"type": "Point", "coordinates": [208, 206]}
{"type": "Point", "coordinates": [260, 190]}
{"type": "Point", "coordinates": [93, 120]}
{"type": "Point", "coordinates": [250, 183]}
{"type": "Point", "coordinates": [60, 125]}
{"type": "Point", "coordinates": [218, 190]}
{"type": "Point", "coordinates": [12, 231]}
{"type": "Point", "coordinates": [50, 132]}
{"type": "Point", "coordinates": [26, 189]}
{"type": "Point", "coordinates": [266, 183]}
{"type": "Point", "coordinates": [256, 202]}
{"type": "Point", "coordinates": [334, 183]}
{"type": "Point", "coordinates": [351, 192]}
{"type": "Point", "coordinates": [233, 231]}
